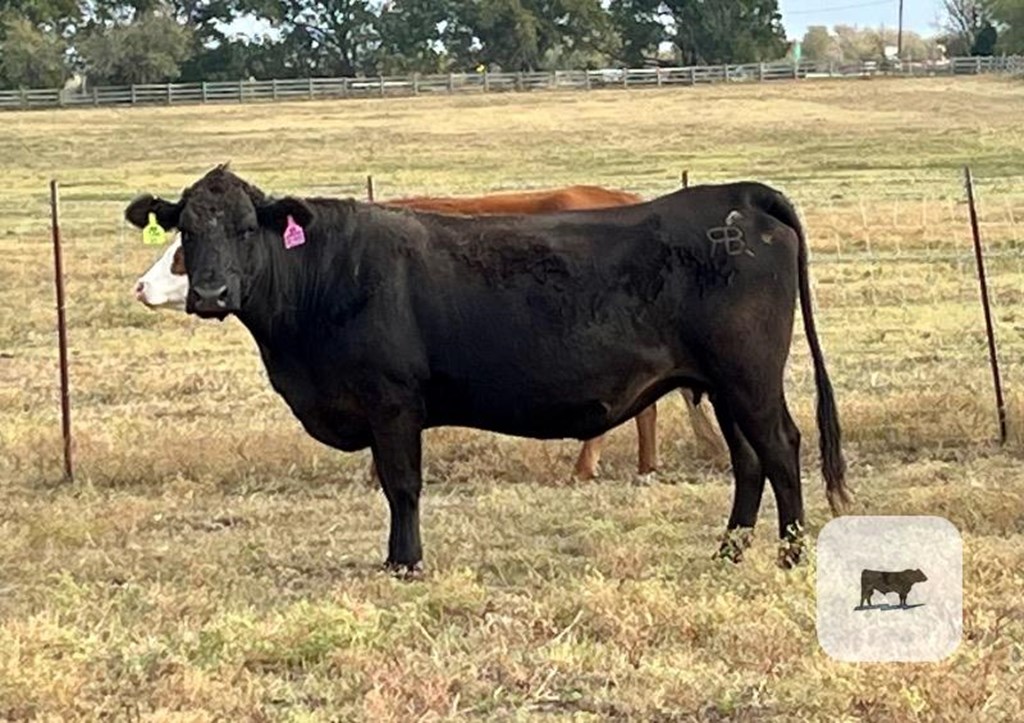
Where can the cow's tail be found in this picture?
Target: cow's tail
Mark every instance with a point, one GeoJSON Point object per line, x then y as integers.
{"type": "Point", "coordinates": [833, 466]}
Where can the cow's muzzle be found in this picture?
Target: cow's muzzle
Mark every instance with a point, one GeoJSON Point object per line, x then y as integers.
{"type": "Point", "coordinates": [209, 301]}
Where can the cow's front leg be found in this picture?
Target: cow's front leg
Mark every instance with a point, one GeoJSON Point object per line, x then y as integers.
{"type": "Point", "coordinates": [397, 457]}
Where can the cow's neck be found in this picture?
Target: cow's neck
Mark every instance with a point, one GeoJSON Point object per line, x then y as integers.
{"type": "Point", "coordinates": [297, 292]}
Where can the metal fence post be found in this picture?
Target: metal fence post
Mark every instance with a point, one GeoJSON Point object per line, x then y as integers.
{"type": "Point", "coordinates": [131, 93]}
{"type": "Point", "coordinates": [415, 83]}
{"type": "Point", "coordinates": [62, 334]}
{"type": "Point", "coordinates": [309, 88]}
{"type": "Point", "coordinates": [273, 88]}
{"type": "Point", "coordinates": [980, 260]}
{"type": "Point", "coordinates": [487, 82]}
{"type": "Point", "coordinates": [451, 83]}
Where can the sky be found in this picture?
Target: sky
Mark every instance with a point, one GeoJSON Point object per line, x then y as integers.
{"type": "Point", "coordinates": [920, 16]}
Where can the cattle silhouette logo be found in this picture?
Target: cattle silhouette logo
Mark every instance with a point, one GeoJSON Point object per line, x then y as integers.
{"type": "Point", "coordinates": [887, 582]}
{"type": "Point", "coordinates": [906, 575]}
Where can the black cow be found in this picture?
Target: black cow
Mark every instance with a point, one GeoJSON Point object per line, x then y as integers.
{"type": "Point", "coordinates": [886, 582]}
{"type": "Point", "coordinates": [385, 322]}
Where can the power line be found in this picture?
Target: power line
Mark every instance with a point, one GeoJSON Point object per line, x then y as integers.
{"type": "Point", "coordinates": [838, 8]}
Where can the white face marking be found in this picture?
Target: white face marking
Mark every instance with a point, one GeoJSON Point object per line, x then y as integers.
{"type": "Point", "coordinates": [159, 288]}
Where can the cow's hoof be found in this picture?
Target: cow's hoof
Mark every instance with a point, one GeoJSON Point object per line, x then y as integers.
{"type": "Point", "coordinates": [584, 475]}
{"type": "Point", "coordinates": [404, 570]}
{"type": "Point", "coordinates": [645, 479]}
{"type": "Point", "coordinates": [734, 543]}
{"type": "Point", "coordinates": [791, 553]}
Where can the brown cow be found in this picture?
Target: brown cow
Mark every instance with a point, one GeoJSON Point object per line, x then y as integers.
{"type": "Point", "coordinates": [575, 198]}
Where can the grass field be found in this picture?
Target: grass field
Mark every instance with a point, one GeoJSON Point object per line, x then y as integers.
{"type": "Point", "coordinates": [213, 562]}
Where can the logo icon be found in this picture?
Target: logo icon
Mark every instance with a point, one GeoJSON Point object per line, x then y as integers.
{"type": "Point", "coordinates": [887, 582]}
{"type": "Point", "coordinates": [889, 588]}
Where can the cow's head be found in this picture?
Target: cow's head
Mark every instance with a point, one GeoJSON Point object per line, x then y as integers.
{"type": "Point", "coordinates": [226, 227]}
{"type": "Point", "coordinates": [165, 284]}
{"type": "Point", "coordinates": [918, 576]}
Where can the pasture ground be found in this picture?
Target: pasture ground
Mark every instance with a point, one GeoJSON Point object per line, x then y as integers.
{"type": "Point", "coordinates": [212, 562]}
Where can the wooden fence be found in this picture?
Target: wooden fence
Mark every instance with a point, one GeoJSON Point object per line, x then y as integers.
{"type": "Point", "coordinates": [246, 91]}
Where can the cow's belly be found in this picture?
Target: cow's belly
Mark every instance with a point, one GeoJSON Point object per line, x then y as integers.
{"type": "Point", "coordinates": [578, 410]}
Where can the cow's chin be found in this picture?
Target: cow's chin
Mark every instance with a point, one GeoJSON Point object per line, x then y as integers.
{"type": "Point", "coordinates": [218, 315]}
{"type": "Point", "coordinates": [207, 313]}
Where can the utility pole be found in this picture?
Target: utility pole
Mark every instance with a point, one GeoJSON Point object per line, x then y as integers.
{"type": "Point", "coordinates": [899, 35]}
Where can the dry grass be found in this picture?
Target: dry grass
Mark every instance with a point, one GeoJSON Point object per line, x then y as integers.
{"type": "Point", "coordinates": [213, 562]}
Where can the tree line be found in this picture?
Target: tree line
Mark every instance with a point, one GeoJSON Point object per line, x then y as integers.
{"type": "Point", "coordinates": [44, 42]}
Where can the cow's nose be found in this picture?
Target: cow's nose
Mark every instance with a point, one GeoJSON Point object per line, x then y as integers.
{"type": "Point", "coordinates": [140, 291]}
{"type": "Point", "coordinates": [211, 298]}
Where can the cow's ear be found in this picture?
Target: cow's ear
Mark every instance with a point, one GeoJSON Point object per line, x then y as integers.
{"type": "Point", "coordinates": [274, 214]}
{"type": "Point", "coordinates": [167, 213]}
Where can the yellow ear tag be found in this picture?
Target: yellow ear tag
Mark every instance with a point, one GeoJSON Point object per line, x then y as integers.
{"type": "Point", "coordinates": [153, 234]}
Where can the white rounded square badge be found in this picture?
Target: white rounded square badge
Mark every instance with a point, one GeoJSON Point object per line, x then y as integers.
{"type": "Point", "coordinates": [889, 588]}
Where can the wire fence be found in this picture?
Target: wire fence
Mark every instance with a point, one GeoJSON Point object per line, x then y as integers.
{"type": "Point", "coordinates": [252, 91]}
{"type": "Point", "coordinates": [896, 304]}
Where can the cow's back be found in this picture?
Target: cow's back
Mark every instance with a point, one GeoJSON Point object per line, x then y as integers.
{"type": "Point", "coordinates": [571, 198]}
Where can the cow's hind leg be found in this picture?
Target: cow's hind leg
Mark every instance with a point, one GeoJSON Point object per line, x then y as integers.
{"type": "Point", "coordinates": [590, 456]}
{"type": "Point", "coordinates": [647, 440]}
{"type": "Point", "coordinates": [397, 456]}
{"type": "Point", "coordinates": [749, 478]}
{"type": "Point", "coordinates": [708, 441]}
{"type": "Point", "coordinates": [775, 438]}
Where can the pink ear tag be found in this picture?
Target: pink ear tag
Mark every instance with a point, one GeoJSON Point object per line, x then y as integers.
{"type": "Point", "coordinates": [293, 234]}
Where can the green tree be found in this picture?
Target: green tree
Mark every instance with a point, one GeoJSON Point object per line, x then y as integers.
{"type": "Point", "coordinates": [203, 18]}
{"type": "Point", "coordinates": [528, 34]}
{"type": "Point", "coordinates": [818, 44]}
{"type": "Point", "coordinates": [410, 37]}
{"type": "Point", "coordinates": [501, 34]}
{"type": "Point", "coordinates": [323, 37]}
{"type": "Point", "coordinates": [856, 45]}
{"type": "Point", "coordinates": [1009, 15]}
{"type": "Point", "coordinates": [965, 19]}
{"type": "Point", "coordinates": [640, 27]}
{"type": "Point", "coordinates": [574, 33]}
{"type": "Point", "coordinates": [30, 57]}
{"type": "Point", "coordinates": [727, 31]}
{"type": "Point", "coordinates": [148, 50]}
{"type": "Point", "coordinates": [56, 15]}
